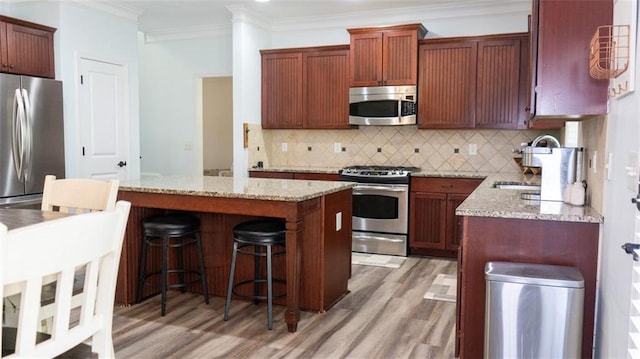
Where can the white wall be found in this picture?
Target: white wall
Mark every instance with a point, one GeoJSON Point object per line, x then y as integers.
{"type": "Point", "coordinates": [85, 32]}
{"type": "Point", "coordinates": [248, 39]}
{"type": "Point", "coordinates": [619, 213]}
{"type": "Point", "coordinates": [169, 70]}
{"type": "Point", "coordinates": [446, 26]}
{"type": "Point", "coordinates": [170, 100]}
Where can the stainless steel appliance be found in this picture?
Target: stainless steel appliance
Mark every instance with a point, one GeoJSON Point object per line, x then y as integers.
{"type": "Point", "coordinates": [382, 105]}
{"type": "Point", "coordinates": [380, 208]}
{"type": "Point", "coordinates": [558, 166]}
{"type": "Point", "coordinates": [533, 311]}
{"type": "Point", "coordinates": [31, 138]}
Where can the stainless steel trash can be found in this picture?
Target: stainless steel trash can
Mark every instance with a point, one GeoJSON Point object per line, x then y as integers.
{"type": "Point", "coordinates": [533, 311]}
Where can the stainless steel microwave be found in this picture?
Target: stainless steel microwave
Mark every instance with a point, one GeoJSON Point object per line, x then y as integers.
{"type": "Point", "coordinates": [382, 105]}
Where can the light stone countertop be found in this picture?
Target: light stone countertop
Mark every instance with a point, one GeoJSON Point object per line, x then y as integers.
{"type": "Point", "coordinates": [487, 201]}
{"type": "Point", "coordinates": [236, 187]}
{"type": "Point", "coordinates": [329, 170]}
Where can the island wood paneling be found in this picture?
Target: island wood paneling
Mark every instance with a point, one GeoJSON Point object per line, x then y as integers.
{"type": "Point", "coordinates": [324, 252]}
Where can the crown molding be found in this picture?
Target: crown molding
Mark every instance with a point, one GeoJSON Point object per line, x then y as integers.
{"type": "Point", "coordinates": [404, 15]}
{"type": "Point", "coordinates": [113, 8]}
{"type": "Point", "coordinates": [241, 14]}
{"type": "Point", "coordinates": [183, 33]}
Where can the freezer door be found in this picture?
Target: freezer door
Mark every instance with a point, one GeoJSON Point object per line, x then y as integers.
{"type": "Point", "coordinates": [10, 185]}
{"type": "Point", "coordinates": [45, 116]}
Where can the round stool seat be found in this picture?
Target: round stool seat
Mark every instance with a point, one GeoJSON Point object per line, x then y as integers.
{"type": "Point", "coordinates": [259, 235]}
{"type": "Point", "coordinates": [171, 231]}
{"type": "Point", "coordinates": [174, 224]}
{"type": "Point", "coordinates": [261, 232]}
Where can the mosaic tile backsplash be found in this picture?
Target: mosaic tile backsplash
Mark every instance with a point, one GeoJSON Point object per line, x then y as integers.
{"type": "Point", "coordinates": [441, 150]}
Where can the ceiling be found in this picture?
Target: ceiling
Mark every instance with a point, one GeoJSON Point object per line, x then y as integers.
{"type": "Point", "coordinates": [167, 16]}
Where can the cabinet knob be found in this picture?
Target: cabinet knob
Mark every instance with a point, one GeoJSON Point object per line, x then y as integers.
{"type": "Point", "coordinates": [527, 108]}
{"type": "Point", "coordinates": [5, 65]}
{"type": "Point", "coordinates": [12, 66]}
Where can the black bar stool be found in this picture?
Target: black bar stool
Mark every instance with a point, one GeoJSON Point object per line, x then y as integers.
{"type": "Point", "coordinates": [174, 230]}
{"type": "Point", "coordinates": [257, 234]}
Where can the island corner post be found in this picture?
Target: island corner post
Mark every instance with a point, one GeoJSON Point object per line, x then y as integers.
{"type": "Point", "coordinates": [318, 254]}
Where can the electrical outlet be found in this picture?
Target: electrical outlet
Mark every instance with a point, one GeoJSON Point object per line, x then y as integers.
{"type": "Point", "coordinates": [473, 149]}
{"type": "Point", "coordinates": [188, 146]}
{"type": "Point", "coordinates": [337, 147]}
{"type": "Point", "coordinates": [284, 147]}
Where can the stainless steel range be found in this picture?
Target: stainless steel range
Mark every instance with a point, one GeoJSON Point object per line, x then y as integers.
{"type": "Point", "coordinates": [380, 208]}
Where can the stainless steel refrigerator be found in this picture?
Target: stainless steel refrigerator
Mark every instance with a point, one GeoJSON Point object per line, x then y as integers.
{"type": "Point", "coordinates": [31, 138]}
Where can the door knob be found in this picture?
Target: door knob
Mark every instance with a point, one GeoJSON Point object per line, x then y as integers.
{"type": "Point", "coordinates": [122, 164]}
{"type": "Point", "coordinates": [630, 247]}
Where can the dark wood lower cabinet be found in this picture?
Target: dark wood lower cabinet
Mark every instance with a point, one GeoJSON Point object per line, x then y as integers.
{"type": "Point", "coordinates": [487, 239]}
{"type": "Point", "coordinates": [265, 174]}
{"type": "Point", "coordinates": [311, 176]}
{"type": "Point", "coordinates": [433, 224]}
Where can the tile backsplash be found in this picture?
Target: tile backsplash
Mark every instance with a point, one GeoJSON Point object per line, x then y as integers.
{"type": "Point", "coordinates": [442, 150]}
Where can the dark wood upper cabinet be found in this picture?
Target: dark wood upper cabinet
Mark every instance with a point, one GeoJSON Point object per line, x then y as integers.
{"type": "Point", "coordinates": [305, 87]}
{"type": "Point", "coordinates": [560, 36]}
{"type": "Point", "coordinates": [26, 48]}
{"type": "Point", "coordinates": [326, 81]}
{"type": "Point", "coordinates": [498, 86]}
{"type": "Point", "coordinates": [473, 82]}
{"type": "Point", "coordinates": [385, 55]}
{"type": "Point", "coordinates": [447, 84]}
{"type": "Point", "coordinates": [282, 90]}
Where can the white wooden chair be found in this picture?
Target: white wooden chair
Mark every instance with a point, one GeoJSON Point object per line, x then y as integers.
{"type": "Point", "coordinates": [59, 247]}
{"type": "Point", "coordinates": [74, 195]}
{"type": "Point", "coordinates": [78, 194]}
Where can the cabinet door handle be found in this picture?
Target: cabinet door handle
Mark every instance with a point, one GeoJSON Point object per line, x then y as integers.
{"type": "Point", "coordinates": [447, 186]}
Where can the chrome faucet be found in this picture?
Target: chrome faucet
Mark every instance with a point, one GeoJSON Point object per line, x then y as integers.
{"type": "Point", "coordinates": [558, 166]}
{"type": "Point", "coordinates": [545, 137]}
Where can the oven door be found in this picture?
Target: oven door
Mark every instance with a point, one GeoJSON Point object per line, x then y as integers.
{"type": "Point", "coordinates": [381, 208]}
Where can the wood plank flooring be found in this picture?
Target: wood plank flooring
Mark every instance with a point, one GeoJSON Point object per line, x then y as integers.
{"type": "Point", "coordinates": [383, 316]}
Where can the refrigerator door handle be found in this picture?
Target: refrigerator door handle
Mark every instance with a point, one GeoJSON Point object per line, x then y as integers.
{"type": "Point", "coordinates": [17, 140]}
{"type": "Point", "coordinates": [27, 135]}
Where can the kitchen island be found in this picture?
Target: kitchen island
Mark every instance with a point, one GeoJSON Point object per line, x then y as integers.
{"type": "Point", "coordinates": [498, 225]}
{"type": "Point", "coordinates": [318, 239]}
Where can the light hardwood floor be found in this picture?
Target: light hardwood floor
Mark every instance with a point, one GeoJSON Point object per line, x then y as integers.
{"type": "Point", "coordinates": [383, 316]}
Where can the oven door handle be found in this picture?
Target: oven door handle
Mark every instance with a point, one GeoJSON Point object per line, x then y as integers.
{"type": "Point", "coordinates": [386, 239]}
{"type": "Point", "coordinates": [380, 188]}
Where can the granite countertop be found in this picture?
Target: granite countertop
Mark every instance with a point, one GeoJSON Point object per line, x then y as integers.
{"type": "Point", "coordinates": [487, 201]}
{"type": "Point", "coordinates": [330, 170]}
{"type": "Point", "coordinates": [451, 174]}
{"type": "Point", "coordinates": [235, 187]}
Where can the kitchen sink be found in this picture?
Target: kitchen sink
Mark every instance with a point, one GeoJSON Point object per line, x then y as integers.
{"type": "Point", "coordinates": [517, 186]}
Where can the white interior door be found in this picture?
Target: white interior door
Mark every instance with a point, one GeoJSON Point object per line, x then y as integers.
{"type": "Point", "coordinates": [103, 122]}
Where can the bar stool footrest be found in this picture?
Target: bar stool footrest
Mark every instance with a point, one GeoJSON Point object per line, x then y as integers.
{"type": "Point", "coordinates": [257, 297]}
